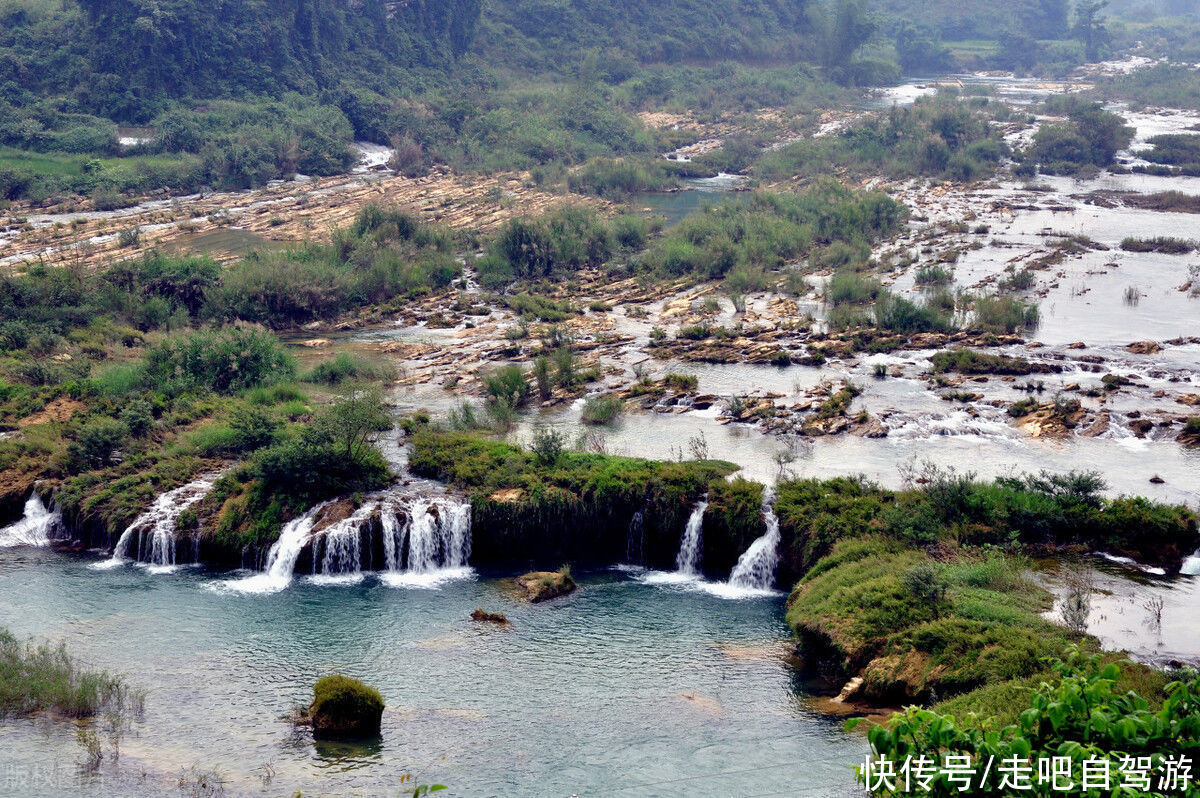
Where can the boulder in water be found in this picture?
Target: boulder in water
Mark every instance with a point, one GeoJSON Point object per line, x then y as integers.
{"type": "Point", "coordinates": [345, 709]}
{"type": "Point", "coordinates": [545, 585]}
{"type": "Point", "coordinates": [482, 616]}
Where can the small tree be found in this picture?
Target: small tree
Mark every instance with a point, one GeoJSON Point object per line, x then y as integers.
{"type": "Point", "coordinates": [350, 421]}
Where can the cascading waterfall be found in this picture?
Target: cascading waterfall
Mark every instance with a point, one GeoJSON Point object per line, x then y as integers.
{"type": "Point", "coordinates": [282, 556]}
{"type": "Point", "coordinates": [154, 530]}
{"type": "Point", "coordinates": [687, 562]}
{"type": "Point", "coordinates": [438, 533]}
{"type": "Point", "coordinates": [342, 557]}
{"type": "Point", "coordinates": [1191, 565]}
{"type": "Point", "coordinates": [755, 569]}
{"type": "Point", "coordinates": [35, 527]}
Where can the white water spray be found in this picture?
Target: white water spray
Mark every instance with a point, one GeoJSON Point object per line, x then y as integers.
{"type": "Point", "coordinates": [755, 569]}
{"type": "Point", "coordinates": [1191, 565]}
{"type": "Point", "coordinates": [35, 527]}
{"type": "Point", "coordinates": [154, 530]}
{"type": "Point", "coordinates": [438, 534]}
{"type": "Point", "coordinates": [281, 558]}
{"type": "Point", "coordinates": [687, 562]}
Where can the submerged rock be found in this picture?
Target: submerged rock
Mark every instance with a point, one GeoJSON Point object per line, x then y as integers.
{"type": "Point", "coordinates": [345, 709]}
{"type": "Point", "coordinates": [482, 616]}
{"type": "Point", "coordinates": [545, 585]}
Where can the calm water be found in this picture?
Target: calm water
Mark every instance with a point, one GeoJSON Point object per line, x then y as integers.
{"type": "Point", "coordinates": [626, 688]}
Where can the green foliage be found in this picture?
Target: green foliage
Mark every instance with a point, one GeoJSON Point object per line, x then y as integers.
{"type": "Point", "coordinates": [1164, 244]}
{"type": "Point", "coordinates": [767, 229]}
{"type": "Point", "coordinates": [343, 706]}
{"type": "Point", "coordinates": [507, 385]}
{"type": "Point", "coordinates": [1004, 314]}
{"type": "Point", "coordinates": [968, 361]}
{"type": "Point", "coordinates": [38, 677]}
{"type": "Point", "coordinates": [1090, 136]}
{"type": "Point", "coordinates": [348, 367]}
{"type": "Point", "coordinates": [1078, 713]}
{"type": "Point", "coordinates": [942, 136]}
{"type": "Point", "coordinates": [848, 288]}
{"type": "Point", "coordinates": [602, 409]}
{"type": "Point", "coordinates": [901, 315]}
{"type": "Point", "coordinates": [610, 178]}
{"type": "Point", "coordinates": [384, 256]}
{"type": "Point", "coordinates": [224, 361]}
{"type": "Point", "coordinates": [96, 443]}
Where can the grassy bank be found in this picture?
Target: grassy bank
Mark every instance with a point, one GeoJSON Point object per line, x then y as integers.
{"type": "Point", "coordinates": [551, 505]}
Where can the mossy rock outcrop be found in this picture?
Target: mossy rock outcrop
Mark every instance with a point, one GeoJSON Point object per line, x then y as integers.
{"type": "Point", "coordinates": [345, 709]}
{"type": "Point", "coordinates": [539, 586]}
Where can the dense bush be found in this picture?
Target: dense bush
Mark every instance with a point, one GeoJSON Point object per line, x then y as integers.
{"type": "Point", "coordinates": [225, 361]}
{"type": "Point", "coordinates": [1080, 713]}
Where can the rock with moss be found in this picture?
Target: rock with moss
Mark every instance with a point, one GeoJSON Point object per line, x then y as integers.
{"type": "Point", "coordinates": [537, 586]}
{"type": "Point", "coordinates": [345, 709]}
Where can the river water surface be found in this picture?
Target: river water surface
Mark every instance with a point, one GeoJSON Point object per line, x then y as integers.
{"type": "Point", "coordinates": [625, 688]}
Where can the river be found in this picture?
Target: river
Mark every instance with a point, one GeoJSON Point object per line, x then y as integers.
{"type": "Point", "coordinates": [625, 688]}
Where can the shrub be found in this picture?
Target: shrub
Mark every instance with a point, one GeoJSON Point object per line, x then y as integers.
{"type": "Point", "coordinates": [547, 444]}
{"type": "Point", "coordinates": [603, 409]}
{"type": "Point", "coordinates": [348, 366]}
{"type": "Point", "coordinates": [902, 315]}
{"type": "Point", "coordinates": [507, 385]}
{"type": "Point", "coordinates": [1004, 314]}
{"type": "Point", "coordinates": [1079, 714]}
{"type": "Point", "coordinates": [345, 708]}
{"type": "Point", "coordinates": [137, 418]}
{"type": "Point", "coordinates": [224, 361]}
{"type": "Point", "coordinates": [853, 289]}
{"type": "Point", "coordinates": [96, 443]}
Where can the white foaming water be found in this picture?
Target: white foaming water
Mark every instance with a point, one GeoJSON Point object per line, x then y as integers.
{"type": "Point", "coordinates": [439, 544]}
{"type": "Point", "coordinates": [755, 569]}
{"type": "Point", "coordinates": [154, 530]}
{"type": "Point", "coordinates": [281, 559]}
{"type": "Point", "coordinates": [35, 526]}
{"type": "Point", "coordinates": [1191, 566]}
{"type": "Point", "coordinates": [341, 562]}
{"type": "Point", "coordinates": [687, 562]}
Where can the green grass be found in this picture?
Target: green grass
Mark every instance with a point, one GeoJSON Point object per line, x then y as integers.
{"type": "Point", "coordinates": [38, 677]}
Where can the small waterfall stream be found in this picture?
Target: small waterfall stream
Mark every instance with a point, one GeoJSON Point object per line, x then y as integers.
{"type": "Point", "coordinates": [35, 528]}
{"type": "Point", "coordinates": [281, 558]}
{"type": "Point", "coordinates": [154, 530]}
{"type": "Point", "coordinates": [1191, 565]}
{"type": "Point", "coordinates": [687, 562]}
{"type": "Point", "coordinates": [755, 569]}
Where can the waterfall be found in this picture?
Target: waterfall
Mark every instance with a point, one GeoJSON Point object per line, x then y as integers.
{"type": "Point", "coordinates": [342, 559]}
{"type": "Point", "coordinates": [35, 526]}
{"type": "Point", "coordinates": [438, 534]}
{"type": "Point", "coordinates": [687, 562]}
{"type": "Point", "coordinates": [1191, 565]}
{"type": "Point", "coordinates": [635, 540]}
{"type": "Point", "coordinates": [281, 559]}
{"type": "Point", "coordinates": [755, 569]}
{"type": "Point", "coordinates": [394, 535]}
{"type": "Point", "coordinates": [154, 530]}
